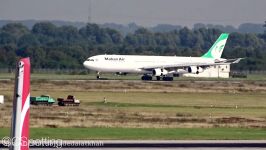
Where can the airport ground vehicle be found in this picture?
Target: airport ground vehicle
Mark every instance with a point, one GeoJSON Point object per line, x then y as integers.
{"type": "Point", "coordinates": [42, 100]}
{"type": "Point", "coordinates": [69, 101]}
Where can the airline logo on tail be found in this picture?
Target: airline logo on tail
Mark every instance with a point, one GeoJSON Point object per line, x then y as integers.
{"type": "Point", "coordinates": [217, 48]}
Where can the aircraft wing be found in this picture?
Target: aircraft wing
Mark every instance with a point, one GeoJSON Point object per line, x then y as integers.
{"type": "Point", "coordinates": [233, 61]}
{"type": "Point", "coordinates": [170, 66]}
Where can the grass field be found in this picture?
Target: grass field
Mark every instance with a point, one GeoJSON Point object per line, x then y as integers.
{"type": "Point", "coordinates": [184, 109]}
{"type": "Point", "coordinates": [149, 109]}
{"type": "Point", "coordinates": [145, 133]}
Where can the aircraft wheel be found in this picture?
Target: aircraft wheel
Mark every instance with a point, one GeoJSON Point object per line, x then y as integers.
{"type": "Point", "coordinates": [158, 78]}
{"type": "Point", "coordinates": [98, 77]}
{"type": "Point", "coordinates": [145, 77]}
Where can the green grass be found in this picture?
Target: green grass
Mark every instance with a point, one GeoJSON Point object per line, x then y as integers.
{"type": "Point", "coordinates": [251, 106]}
{"type": "Point", "coordinates": [115, 104]}
{"type": "Point", "coordinates": [256, 77]}
{"type": "Point", "coordinates": [197, 104]}
{"type": "Point", "coordinates": [146, 133]}
{"type": "Point", "coordinates": [204, 112]}
{"type": "Point", "coordinates": [172, 99]}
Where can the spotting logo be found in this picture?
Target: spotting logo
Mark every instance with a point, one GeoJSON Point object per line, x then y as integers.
{"type": "Point", "coordinates": [44, 142]}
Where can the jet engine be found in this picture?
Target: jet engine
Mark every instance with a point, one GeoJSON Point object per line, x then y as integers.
{"type": "Point", "coordinates": [159, 72]}
{"type": "Point", "coordinates": [194, 69]}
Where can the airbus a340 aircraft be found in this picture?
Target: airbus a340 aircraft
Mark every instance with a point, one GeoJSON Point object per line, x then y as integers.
{"type": "Point", "coordinates": [161, 67]}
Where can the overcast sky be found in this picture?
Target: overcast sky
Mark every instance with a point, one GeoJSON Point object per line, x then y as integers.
{"type": "Point", "coordinates": [142, 12]}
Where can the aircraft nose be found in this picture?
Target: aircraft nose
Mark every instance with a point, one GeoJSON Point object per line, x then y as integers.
{"type": "Point", "coordinates": [86, 64]}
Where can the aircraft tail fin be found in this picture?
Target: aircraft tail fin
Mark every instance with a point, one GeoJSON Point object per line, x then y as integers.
{"type": "Point", "coordinates": [217, 48]}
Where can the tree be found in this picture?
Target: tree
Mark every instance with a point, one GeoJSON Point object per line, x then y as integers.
{"type": "Point", "coordinates": [15, 29]}
{"type": "Point", "coordinates": [7, 38]}
{"type": "Point", "coordinates": [28, 40]}
{"type": "Point", "coordinates": [69, 34]}
{"type": "Point", "coordinates": [50, 46]}
{"type": "Point", "coordinates": [44, 28]}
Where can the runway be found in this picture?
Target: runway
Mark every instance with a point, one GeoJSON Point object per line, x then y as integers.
{"type": "Point", "coordinates": [154, 144]}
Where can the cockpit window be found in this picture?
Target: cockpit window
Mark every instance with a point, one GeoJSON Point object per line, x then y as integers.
{"type": "Point", "coordinates": [89, 59]}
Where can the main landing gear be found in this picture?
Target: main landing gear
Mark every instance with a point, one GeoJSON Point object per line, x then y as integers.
{"type": "Point", "coordinates": [98, 75]}
{"type": "Point", "coordinates": [158, 78]}
{"type": "Point", "coordinates": [146, 77]}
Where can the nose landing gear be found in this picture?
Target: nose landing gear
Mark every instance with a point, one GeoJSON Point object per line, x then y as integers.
{"type": "Point", "coordinates": [98, 76]}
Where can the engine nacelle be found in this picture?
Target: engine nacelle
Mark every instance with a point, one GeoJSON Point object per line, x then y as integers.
{"type": "Point", "coordinates": [159, 72]}
{"type": "Point", "coordinates": [194, 69]}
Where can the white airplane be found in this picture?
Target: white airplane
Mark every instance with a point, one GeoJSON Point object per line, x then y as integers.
{"type": "Point", "coordinates": [161, 67]}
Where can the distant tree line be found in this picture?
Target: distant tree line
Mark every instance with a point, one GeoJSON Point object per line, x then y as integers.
{"type": "Point", "coordinates": [66, 47]}
{"type": "Point", "coordinates": [132, 27]}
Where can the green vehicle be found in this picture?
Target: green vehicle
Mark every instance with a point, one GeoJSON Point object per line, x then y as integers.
{"type": "Point", "coordinates": [42, 100]}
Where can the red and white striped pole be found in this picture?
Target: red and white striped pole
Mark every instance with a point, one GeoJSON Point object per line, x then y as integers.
{"type": "Point", "coordinates": [21, 107]}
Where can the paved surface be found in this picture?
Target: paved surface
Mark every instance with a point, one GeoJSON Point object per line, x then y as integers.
{"type": "Point", "coordinates": [155, 148]}
{"type": "Point", "coordinates": [153, 144]}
